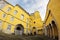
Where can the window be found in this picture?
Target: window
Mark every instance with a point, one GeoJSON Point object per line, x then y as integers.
{"type": "Point", "coordinates": [15, 12]}
{"type": "Point", "coordinates": [4, 15]}
{"type": "Point", "coordinates": [0, 22]}
{"type": "Point", "coordinates": [22, 16]}
{"type": "Point", "coordinates": [2, 4]}
{"type": "Point", "coordinates": [12, 19]}
{"type": "Point", "coordinates": [34, 28]}
{"type": "Point", "coordinates": [8, 9]}
{"type": "Point", "coordinates": [34, 22]}
{"type": "Point", "coordinates": [9, 27]}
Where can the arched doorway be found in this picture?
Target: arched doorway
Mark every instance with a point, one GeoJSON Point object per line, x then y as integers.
{"type": "Point", "coordinates": [34, 30]}
{"type": "Point", "coordinates": [55, 30]}
{"type": "Point", "coordinates": [48, 31]}
{"type": "Point", "coordinates": [51, 32]}
{"type": "Point", "coordinates": [19, 30]}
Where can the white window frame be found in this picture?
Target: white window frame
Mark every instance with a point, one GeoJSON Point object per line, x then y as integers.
{"type": "Point", "coordinates": [15, 12]}
{"type": "Point", "coordinates": [3, 15]}
{"type": "Point", "coordinates": [2, 4]}
{"type": "Point", "coordinates": [12, 18]}
{"type": "Point", "coordinates": [0, 23]}
{"type": "Point", "coordinates": [9, 27]}
{"type": "Point", "coordinates": [22, 17]}
{"type": "Point", "coordinates": [8, 9]}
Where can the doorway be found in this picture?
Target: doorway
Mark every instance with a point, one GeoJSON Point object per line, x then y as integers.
{"type": "Point", "coordinates": [19, 30]}
{"type": "Point", "coordinates": [55, 30]}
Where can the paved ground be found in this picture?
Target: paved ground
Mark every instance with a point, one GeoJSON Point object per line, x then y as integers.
{"type": "Point", "coordinates": [14, 37]}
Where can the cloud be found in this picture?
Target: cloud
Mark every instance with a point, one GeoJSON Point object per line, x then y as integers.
{"type": "Point", "coordinates": [32, 5]}
{"type": "Point", "coordinates": [14, 2]}
{"type": "Point", "coordinates": [25, 1]}
{"type": "Point", "coordinates": [38, 5]}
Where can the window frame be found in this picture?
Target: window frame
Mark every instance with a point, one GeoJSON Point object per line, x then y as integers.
{"type": "Point", "coordinates": [22, 17]}
{"type": "Point", "coordinates": [0, 22]}
{"type": "Point", "coordinates": [8, 9]}
{"type": "Point", "coordinates": [15, 12]}
{"type": "Point", "coordinates": [3, 15]}
{"type": "Point", "coordinates": [9, 27]}
{"type": "Point", "coordinates": [12, 18]}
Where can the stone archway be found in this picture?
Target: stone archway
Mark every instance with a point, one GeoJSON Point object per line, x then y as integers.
{"type": "Point", "coordinates": [51, 32]}
{"type": "Point", "coordinates": [55, 30]}
{"type": "Point", "coordinates": [19, 30]}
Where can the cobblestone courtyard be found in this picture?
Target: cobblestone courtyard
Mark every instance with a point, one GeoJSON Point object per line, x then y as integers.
{"type": "Point", "coordinates": [24, 37]}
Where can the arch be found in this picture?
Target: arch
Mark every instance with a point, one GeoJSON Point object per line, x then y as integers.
{"type": "Point", "coordinates": [34, 27]}
{"type": "Point", "coordinates": [48, 31]}
{"type": "Point", "coordinates": [55, 30]}
{"type": "Point", "coordinates": [51, 31]}
{"type": "Point", "coordinates": [34, 30]}
{"type": "Point", "coordinates": [19, 30]}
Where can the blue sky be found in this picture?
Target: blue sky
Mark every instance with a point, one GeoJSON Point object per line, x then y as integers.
{"type": "Point", "coordinates": [32, 5]}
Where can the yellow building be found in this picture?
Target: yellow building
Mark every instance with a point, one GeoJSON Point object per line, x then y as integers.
{"type": "Point", "coordinates": [37, 23]}
{"type": "Point", "coordinates": [22, 17]}
{"type": "Point", "coordinates": [15, 20]}
{"type": "Point", "coordinates": [52, 20]}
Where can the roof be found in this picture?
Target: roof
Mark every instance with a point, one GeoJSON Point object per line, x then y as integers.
{"type": "Point", "coordinates": [22, 9]}
{"type": "Point", "coordinates": [18, 6]}
{"type": "Point", "coordinates": [8, 3]}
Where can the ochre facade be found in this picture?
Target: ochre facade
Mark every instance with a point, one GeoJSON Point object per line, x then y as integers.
{"type": "Point", "coordinates": [52, 20]}
{"type": "Point", "coordinates": [15, 20]}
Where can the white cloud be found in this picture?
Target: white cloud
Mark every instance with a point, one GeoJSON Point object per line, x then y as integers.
{"type": "Point", "coordinates": [39, 5]}
{"type": "Point", "coordinates": [25, 1]}
{"type": "Point", "coordinates": [33, 5]}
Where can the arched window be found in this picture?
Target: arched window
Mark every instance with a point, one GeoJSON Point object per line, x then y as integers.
{"type": "Point", "coordinates": [4, 15]}
{"type": "Point", "coordinates": [12, 19]}
{"type": "Point", "coordinates": [22, 17]}
{"type": "Point", "coordinates": [0, 23]}
{"type": "Point", "coordinates": [9, 27]}
{"type": "Point", "coordinates": [15, 12]}
{"type": "Point", "coordinates": [8, 9]}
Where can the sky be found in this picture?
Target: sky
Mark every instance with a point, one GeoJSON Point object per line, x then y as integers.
{"type": "Point", "coordinates": [32, 5]}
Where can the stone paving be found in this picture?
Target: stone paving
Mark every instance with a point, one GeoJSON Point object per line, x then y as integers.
{"type": "Point", "coordinates": [24, 37]}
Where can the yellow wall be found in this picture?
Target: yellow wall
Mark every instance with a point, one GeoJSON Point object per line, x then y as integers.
{"type": "Point", "coordinates": [5, 9]}
{"type": "Point", "coordinates": [54, 7]}
{"type": "Point", "coordinates": [3, 15]}
{"type": "Point", "coordinates": [38, 21]}
{"type": "Point", "coordinates": [27, 21]}
{"type": "Point", "coordinates": [17, 17]}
